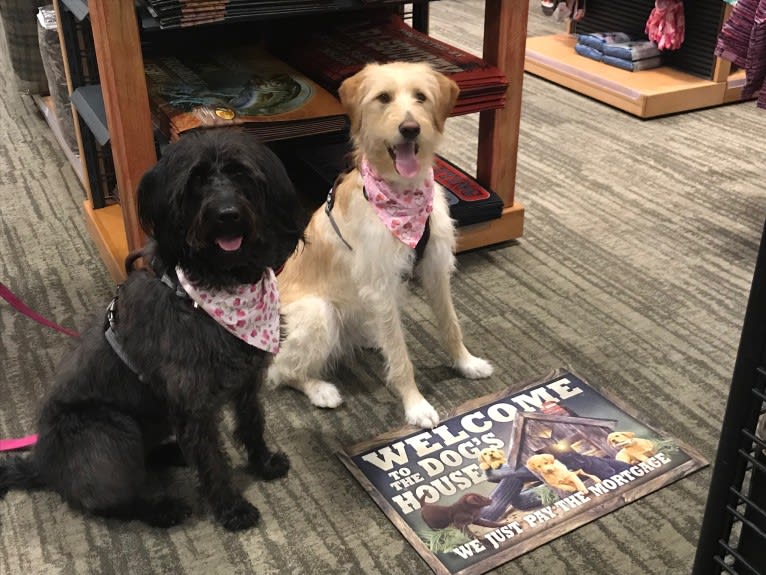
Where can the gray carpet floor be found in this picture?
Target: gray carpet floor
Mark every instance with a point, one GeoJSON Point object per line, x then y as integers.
{"type": "Point", "coordinates": [634, 269]}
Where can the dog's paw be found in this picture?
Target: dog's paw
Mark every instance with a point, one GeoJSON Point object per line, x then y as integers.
{"type": "Point", "coordinates": [277, 465]}
{"type": "Point", "coordinates": [323, 394]}
{"type": "Point", "coordinates": [167, 512]}
{"type": "Point", "coordinates": [239, 516]}
{"type": "Point", "coordinates": [422, 414]}
{"type": "Point", "coordinates": [474, 367]}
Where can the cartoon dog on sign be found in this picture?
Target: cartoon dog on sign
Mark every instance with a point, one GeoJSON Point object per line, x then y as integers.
{"type": "Point", "coordinates": [632, 449]}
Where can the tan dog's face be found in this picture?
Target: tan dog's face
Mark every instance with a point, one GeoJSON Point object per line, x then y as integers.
{"type": "Point", "coordinates": [620, 439]}
{"type": "Point", "coordinates": [397, 113]}
{"type": "Point", "coordinates": [544, 464]}
{"type": "Point", "coordinates": [491, 457]}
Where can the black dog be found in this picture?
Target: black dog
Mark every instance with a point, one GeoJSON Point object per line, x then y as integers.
{"type": "Point", "coordinates": [221, 207]}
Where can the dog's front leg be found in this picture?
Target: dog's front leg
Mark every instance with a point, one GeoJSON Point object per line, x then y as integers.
{"type": "Point", "coordinates": [400, 373]}
{"type": "Point", "coordinates": [434, 274]}
{"type": "Point", "coordinates": [200, 441]}
{"type": "Point", "coordinates": [249, 431]}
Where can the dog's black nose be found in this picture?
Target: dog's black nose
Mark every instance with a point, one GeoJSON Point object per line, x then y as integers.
{"type": "Point", "coordinates": [409, 129]}
{"type": "Point", "coordinates": [227, 215]}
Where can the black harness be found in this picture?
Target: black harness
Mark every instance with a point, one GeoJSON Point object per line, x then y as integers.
{"type": "Point", "coordinates": [110, 324]}
{"type": "Point", "coordinates": [420, 248]}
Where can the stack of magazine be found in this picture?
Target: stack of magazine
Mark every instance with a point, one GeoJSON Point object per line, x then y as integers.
{"type": "Point", "coordinates": [238, 86]}
{"type": "Point", "coordinates": [175, 14]}
{"type": "Point", "coordinates": [172, 14]}
{"type": "Point", "coordinates": [330, 53]}
{"type": "Point", "coordinates": [314, 163]}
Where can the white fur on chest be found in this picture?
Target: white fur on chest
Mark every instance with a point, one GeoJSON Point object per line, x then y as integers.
{"type": "Point", "coordinates": [378, 259]}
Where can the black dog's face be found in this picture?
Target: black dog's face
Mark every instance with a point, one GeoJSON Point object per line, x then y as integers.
{"type": "Point", "coordinates": [220, 204]}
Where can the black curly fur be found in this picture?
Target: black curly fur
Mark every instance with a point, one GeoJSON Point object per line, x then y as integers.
{"type": "Point", "coordinates": [101, 429]}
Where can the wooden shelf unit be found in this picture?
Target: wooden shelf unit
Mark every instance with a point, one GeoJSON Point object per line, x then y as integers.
{"type": "Point", "coordinates": [646, 94]}
{"type": "Point", "coordinates": [116, 229]}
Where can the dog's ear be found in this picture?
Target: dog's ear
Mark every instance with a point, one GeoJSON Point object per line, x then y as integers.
{"type": "Point", "coordinates": [286, 218]}
{"type": "Point", "coordinates": [351, 93]}
{"type": "Point", "coordinates": [448, 93]}
{"type": "Point", "coordinates": [629, 434]}
{"type": "Point", "coordinates": [152, 205]}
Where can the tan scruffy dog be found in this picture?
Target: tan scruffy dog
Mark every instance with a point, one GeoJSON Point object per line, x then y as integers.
{"type": "Point", "coordinates": [388, 221]}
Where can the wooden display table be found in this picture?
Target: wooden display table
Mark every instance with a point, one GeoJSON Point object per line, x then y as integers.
{"type": "Point", "coordinates": [646, 94]}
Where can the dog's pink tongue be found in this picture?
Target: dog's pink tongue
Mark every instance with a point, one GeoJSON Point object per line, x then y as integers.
{"type": "Point", "coordinates": [229, 244]}
{"type": "Point", "coordinates": [407, 164]}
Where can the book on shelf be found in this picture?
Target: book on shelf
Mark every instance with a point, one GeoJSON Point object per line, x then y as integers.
{"type": "Point", "coordinates": [314, 163]}
{"type": "Point", "coordinates": [331, 53]}
{"type": "Point", "coordinates": [469, 201]}
{"type": "Point", "coordinates": [237, 86]}
{"type": "Point", "coordinates": [172, 14]}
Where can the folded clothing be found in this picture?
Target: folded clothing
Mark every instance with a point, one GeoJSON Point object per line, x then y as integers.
{"type": "Point", "coordinates": [597, 40]}
{"type": "Point", "coordinates": [588, 52]}
{"type": "Point", "coordinates": [633, 50]}
{"type": "Point", "coordinates": [633, 66]}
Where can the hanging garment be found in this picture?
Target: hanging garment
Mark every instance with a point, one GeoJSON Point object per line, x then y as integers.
{"type": "Point", "coordinates": [742, 40]}
{"type": "Point", "coordinates": [666, 24]}
{"type": "Point", "coordinates": [563, 9]}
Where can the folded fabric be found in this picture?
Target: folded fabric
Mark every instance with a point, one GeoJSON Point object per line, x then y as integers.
{"type": "Point", "coordinates": [588, 52]}
{"type": "Point", "coordinates": [645, 64]}
{"type": "Point", "coordinates": [598, 40]}
{"type": "Point", "coordinates": [634, 50]}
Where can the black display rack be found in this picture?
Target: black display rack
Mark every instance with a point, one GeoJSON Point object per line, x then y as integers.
{"type": "Point", "coordinates": [733, 536]}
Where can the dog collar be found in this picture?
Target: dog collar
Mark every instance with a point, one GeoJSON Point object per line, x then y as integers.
{"type": "Point", "coordinates": [405, 213]}
{"type": "Point", "coordinates": [250, 312]}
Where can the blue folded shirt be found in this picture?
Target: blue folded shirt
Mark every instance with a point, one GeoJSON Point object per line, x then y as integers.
{"type": "Point", "coordinates": [597, 40]}
{"type": "Point", "coordinates": [588, 52]}
{"type": "Point", "coordinates": [645, 64]}
{"type": "Point", "coordinates": [633, 50]}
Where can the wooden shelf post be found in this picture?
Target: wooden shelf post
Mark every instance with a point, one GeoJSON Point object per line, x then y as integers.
{"type": "Point", "coordinates": [126, 101]}
{"type": "Point", "coordinates": [505, 34]}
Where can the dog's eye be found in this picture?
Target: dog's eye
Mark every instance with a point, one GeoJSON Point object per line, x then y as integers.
{"type": "Point", "coordinates": [198, 175]}
{"type": "Point", "coordinates": [420, 97]}
{"type": "Point", "coordinates": [383, 97]}
{"type": "Point", "coordinates": [235, 169]}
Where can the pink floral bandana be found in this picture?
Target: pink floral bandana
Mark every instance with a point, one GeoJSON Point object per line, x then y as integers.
{"type": "Point", "coordinates": [251, 311]}
{"type": "Point", "coordinates": [404, 213]}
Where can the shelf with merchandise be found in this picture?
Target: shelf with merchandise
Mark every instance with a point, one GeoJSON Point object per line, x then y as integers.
{"type": "Point", "coordinates": [118, 52]}
{"type": "Point", "coordinates": [691, 78]}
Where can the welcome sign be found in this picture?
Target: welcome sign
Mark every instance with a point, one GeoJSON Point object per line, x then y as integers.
{"type": "Point", "coordinates": [511, 471]}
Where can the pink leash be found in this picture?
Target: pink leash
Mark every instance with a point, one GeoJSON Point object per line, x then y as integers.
{"type": "Point", "coordinates": [17, 443]}
{"type": "Point", "coordinates": [11, 298]}
{"type": "Point", "coordinates": [14, 444]}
